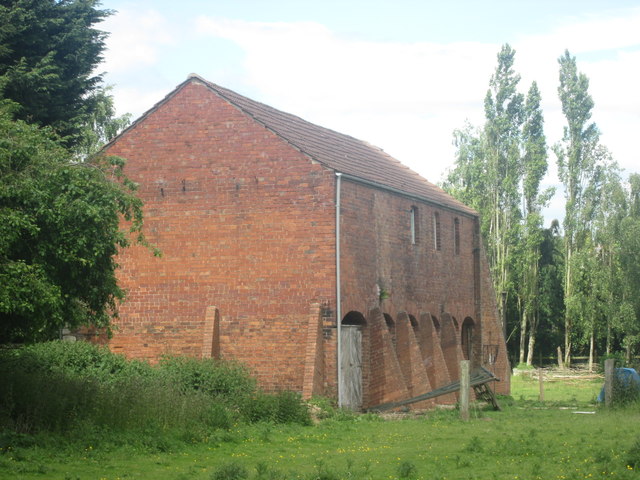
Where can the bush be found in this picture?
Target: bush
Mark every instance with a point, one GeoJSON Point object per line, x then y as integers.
{"type": "Point", "coordinates": [618, 360]}
{"type": "Point", "coordinates": [625, 391]}
{"type": "Point", "coordinates": [282, 407]}
{"type": "Point", "coordinates": [82, 389]}
{"type": "Point", "coordinates": [524, 366]}
{"type": "Point", "coordinates": [73, 359]}
{"type": "Point", "coordinates": [222, 380]}
{"type": "Point", "coordinates": [61, 387]}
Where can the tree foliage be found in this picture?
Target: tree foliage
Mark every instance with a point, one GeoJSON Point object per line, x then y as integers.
{"type": "Point", "coordinates": [583, 167]}
{"type": "Point", "coordinates": [59, 217]}
{"type": "Point", "coordinates": [49, 51]}
{"type": "Point", "coordinates": [498, 171]}
{"type": "Point", "coordinates": [579, 283]}
{"type": "Point", "coordinates": [59, 233]}
{"type": "Point", "coordinates": [628, 317]}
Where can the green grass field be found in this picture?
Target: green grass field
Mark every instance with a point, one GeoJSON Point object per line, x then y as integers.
{"type": "Point", "coordinates": [555, 439]}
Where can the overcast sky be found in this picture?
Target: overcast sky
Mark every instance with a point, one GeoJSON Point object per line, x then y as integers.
{"type": "Point", "coordinates": [400, 74]}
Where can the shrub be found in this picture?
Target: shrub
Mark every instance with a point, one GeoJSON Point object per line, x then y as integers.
{"type": "Point", "coordinates": [83, 389]}
{"type": "Point", "coordinates": [625, 391]}
{"type": "Point", "coordinates": [524, 366]}
{"type": "Point", "coordinates": [73, 359]}
{"type": "Point", "coordinates": [322, 407]}
{"type": "Point", "coordinates": [223, 380]}
{"type": "Point", "coordinates": [282, 407]}
{"type": "Point", "coordinates": [618, 360]}
{"type": "Point", "coordinates": [60, 387]}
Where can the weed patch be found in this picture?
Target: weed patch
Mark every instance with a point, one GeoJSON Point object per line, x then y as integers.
{"type": "Point", "coordinates": [78, 390]}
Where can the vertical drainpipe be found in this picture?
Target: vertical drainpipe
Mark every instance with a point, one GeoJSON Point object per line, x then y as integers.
{"type": "Point", "coordinates": [338, 293]}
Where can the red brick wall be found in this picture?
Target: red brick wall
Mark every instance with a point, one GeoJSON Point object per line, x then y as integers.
{"type": "Point", "coordinates": [377, 254]}
{"type": "Point", "coordinates": [492, 334]}
{"type": "Point", "coordinates": [244, 222]}
{"type": "Point", "coordinates": [410, 358]}
{"type": "Point", "coordinates": [386, 383]}
{"type": "Point", "coordinates": [382, 267]}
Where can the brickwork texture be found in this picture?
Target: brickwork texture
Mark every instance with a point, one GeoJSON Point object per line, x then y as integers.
{"type": "Point", "coordinates": [246, 223]}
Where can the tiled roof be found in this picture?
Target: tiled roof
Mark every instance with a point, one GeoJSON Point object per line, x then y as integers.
{"type": "Point", "coordinates": [337, 151]}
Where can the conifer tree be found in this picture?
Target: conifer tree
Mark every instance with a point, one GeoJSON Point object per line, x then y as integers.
{"type": "Point", "coordinates": [49, 51]}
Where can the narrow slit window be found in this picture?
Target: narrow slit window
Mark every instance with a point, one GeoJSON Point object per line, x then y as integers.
{"type": "Point", "coordinates": [456, 236]}
{"type": "Point", "coordinates": [414, 225]}
{"type": "Point", "coordinates": [437, 243]}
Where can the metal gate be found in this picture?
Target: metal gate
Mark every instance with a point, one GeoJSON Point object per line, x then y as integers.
{"type": "Point", "coordinates": [351, 342]}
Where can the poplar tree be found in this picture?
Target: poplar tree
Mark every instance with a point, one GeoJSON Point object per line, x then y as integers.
{"type": "Point", "coordinates": [628, 315]}
{"type": "Point", "coordinates": [579, 158]}
{"type": "Point", "coordinates": [534, 164]}
{"type": "Point", "coordinates": [498, 172]}
{"type": "Point", "coordinates": [503, 107]}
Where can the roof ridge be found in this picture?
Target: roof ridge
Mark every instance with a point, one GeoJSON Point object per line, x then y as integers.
{"type": "Point", "coordinates": [358, 159]}
{"type": "Point", "coordinates": [227, 93]}
{"type": "Point", "coordinates": [338, 151]}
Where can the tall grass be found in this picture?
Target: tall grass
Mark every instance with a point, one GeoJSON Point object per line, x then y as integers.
{"type": "Point", "coordinates": [75, 388]}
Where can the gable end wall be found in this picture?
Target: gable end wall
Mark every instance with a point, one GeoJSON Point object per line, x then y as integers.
{"type": "Point", "coordinates": [245, 223]}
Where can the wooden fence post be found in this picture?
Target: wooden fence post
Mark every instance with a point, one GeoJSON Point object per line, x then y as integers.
{"type": "Point", "coordinates": [464, 390]}
{"type": "Point", "coordinates": [608, 382]}
{"type": "Point", "coordinates": [560, 361]}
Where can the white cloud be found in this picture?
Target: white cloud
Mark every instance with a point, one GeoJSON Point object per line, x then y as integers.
{"type": "Point", "coordinates": [405, 98]}
{"type": "Point", "coordinates": [136, 39]}
{"type": "Point", "coordinates": [135, 99]}
{"type": "Point", "coordinates": [409, 97]}
{"type": "Point", "coordinates": [608, 30]}
{"type": "Point", "coordinates": [607, 50]}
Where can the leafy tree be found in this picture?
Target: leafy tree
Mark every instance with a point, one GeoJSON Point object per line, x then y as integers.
{"type": "Point", "coordinates": [534, 165]}
{"type": "Point", "coordinates": [59, 233]}
{"type": "Point", "coordinates": [49, 51]}
{"type": "Point", "coordinates": [498, 172]}
{"type": "Point", "coordinates": [580, 167]}
{"type": "Point", "coordinates": [102, 125]}
{"type": "Point", "coordinates": [550, 302]}
{"type": "Point", "coordinates": [606, 287]}
{"type": "Point", "coordinates": [503, 108]}
{"type": "Point", "coordinates": [468, 179]}
{"type": "Point", "coordinates": [628, 316]}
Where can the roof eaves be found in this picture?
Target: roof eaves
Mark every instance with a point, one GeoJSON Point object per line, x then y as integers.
{"type": "Point", "coordinates": [463, 211]}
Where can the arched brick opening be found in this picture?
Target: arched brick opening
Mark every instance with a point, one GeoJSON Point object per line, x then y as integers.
{"type": "Point", "coordinates": [436, 324]}
{"type": "Point", "coordinates": [354, 318]}
{"type": "Point", "coordinates": [414, 324]}
{"type": "Point", "coordinates": [467, 337]}
{"type": "Point", "coordinates": [391, 325]}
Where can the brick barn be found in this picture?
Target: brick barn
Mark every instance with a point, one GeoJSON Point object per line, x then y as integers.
{"type": "Point", "coordinates": [293, 248]}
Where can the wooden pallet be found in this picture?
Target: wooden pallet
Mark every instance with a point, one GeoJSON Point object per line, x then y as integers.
{"type": "Point", "coordinates": [478, 380]}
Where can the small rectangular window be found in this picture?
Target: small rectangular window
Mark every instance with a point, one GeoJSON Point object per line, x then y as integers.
{"type": "Point", "coordinates": [437, 241]}
{"type": "Point", "coordinates": [414, 225]}
{"type": "Point", "coordinates": [456, 236]}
